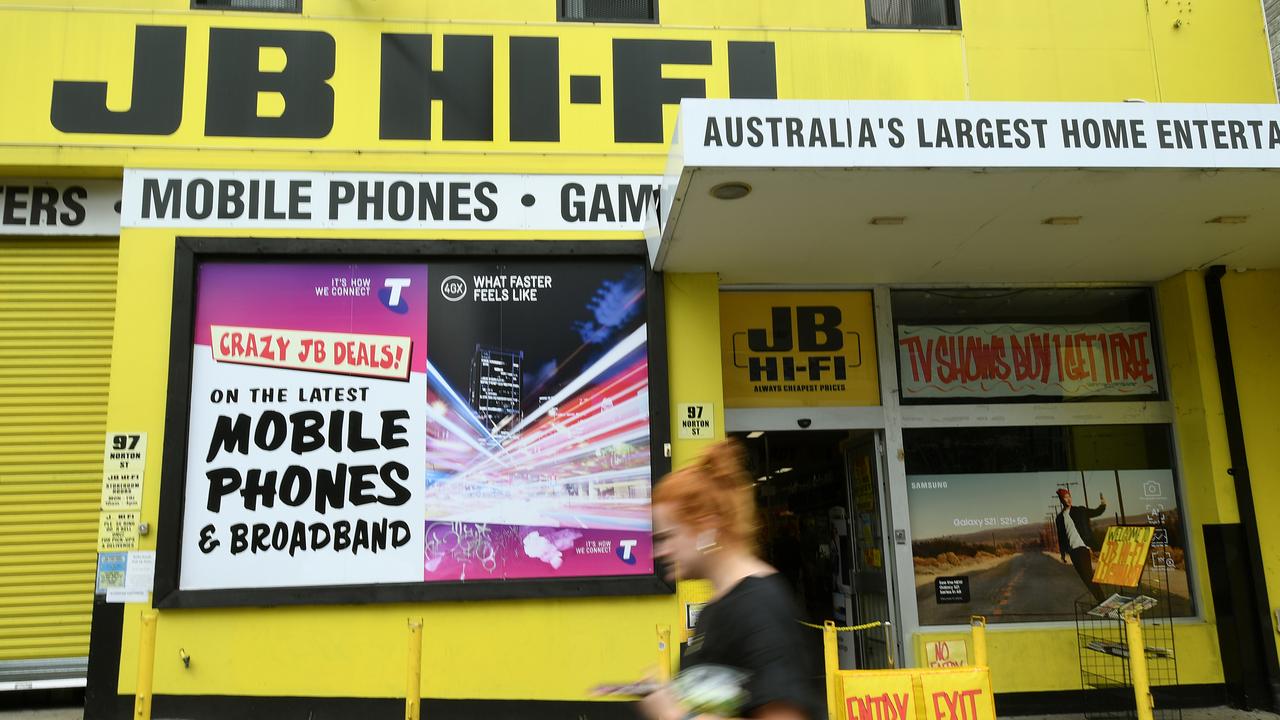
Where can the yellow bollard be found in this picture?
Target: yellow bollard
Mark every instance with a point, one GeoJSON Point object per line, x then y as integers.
{"type": "Point", "coordinates": [978, 625]}
{"type": "Point", "coordinates": [831, 666]}
{"type": "Point", "coordinates": [1138, 667]}
{"type": "Point", "coordinates": [664, 653]}
{"type": "Point", "coordinates": [413, 680]}
{"type": "Point", "coordinates": [146, 666]}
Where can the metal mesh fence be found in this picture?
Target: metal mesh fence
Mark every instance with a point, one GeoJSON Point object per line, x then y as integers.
{"type": "Point", "coordinates": [1104, 656]}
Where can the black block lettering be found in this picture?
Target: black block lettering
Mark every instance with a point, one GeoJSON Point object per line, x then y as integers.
{"type": "Point", "coordinates": [159, 66]}
{"type": "Point", "coordinates": [535, 89]}
{"type": "Point", "coordinates": [753, 70]}
{"type": "Point", "coordinates": [464, 86]}
{"type": "Point", "coordinates": [235, 82]}
{"type": "Point", "coordinates": [640, 91]}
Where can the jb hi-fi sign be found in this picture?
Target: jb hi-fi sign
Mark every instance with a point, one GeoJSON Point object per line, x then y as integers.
{"type": "Point", "coordinates": [798, 349]}
{"type": "Point", "coordinates": [806, 344]}
{"type": "Point", "coordinates": [408, 83]}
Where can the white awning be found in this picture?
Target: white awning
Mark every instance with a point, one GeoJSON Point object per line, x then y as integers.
{"type": "Point", "coordinates": [924, 192]}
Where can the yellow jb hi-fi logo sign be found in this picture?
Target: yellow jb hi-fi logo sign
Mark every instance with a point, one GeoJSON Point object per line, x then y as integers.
{"type": "Point", "coordinates": [276, 83]}
{"type": "Point", "coordinates": [798, 349]}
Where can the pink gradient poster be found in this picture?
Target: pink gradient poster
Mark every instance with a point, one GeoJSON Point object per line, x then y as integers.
{"type": "Point", "coordinates": [538, 436]}
{"type": "Point", "coordinates": [379, 423]}
{"type": "Point", "coordinates": [305, 451]}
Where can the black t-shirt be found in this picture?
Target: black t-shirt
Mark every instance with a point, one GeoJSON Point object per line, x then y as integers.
{"type": "Point", "coordinates": [753, 628]}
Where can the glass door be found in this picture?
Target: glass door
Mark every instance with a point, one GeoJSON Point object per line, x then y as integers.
{"type": "Point", "coordinates": [870, 586]}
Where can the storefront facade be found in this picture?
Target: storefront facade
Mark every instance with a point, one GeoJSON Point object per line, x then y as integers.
{"type": "Point", "coordinates": [479, 217]}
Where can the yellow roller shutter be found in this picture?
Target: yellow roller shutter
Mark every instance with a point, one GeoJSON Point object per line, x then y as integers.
{"type": "Point", "coordinates": [57, 306]}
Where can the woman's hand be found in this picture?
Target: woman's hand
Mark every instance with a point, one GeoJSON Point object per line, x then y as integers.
{"type": "Point", "coordinates": [662, 705]}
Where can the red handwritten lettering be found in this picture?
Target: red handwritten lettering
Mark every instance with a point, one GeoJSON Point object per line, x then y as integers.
{"type": "Point", "coordinates": [972, 697]}
{"type": "Point", "coordinates": [1070, 360]}
{"type": "Point", "coordinates": [951, 708]}
{"type": "Point", "coordinates": [960, 705]}
{"type": "Point", "coordinates": [236, 344]}
{"type": "Point", "coordinates": [878, 707]}
{"type": "Point", "coordinates": [1130, 352]}
{"type": "Point", "coordinates": [920, 367]}
{"type": "Point", "coordinates": [900, 702]}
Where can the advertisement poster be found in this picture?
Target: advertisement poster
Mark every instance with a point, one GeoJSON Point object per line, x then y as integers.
{"type": "Point", "coordinates": [538, 432]}
{"type": "Point", "coordinates": [1016, 360]}
{"type": "Point", "coordinates": [1124, 555]}
{"type": "Point", "coordinates": [1001, 533]}
{"type": "Point", "coordinates": [369, 423]}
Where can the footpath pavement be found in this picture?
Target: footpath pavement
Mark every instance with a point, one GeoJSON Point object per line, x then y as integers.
{"type": "Point", "coordinates": [1217, 713]}
{"type": "Point", "coordinates": [1213, 713]}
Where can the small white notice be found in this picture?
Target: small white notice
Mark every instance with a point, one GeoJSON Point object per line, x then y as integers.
{"type": "Point", "coordinates": [140, 571]}
{"type": "Point", "coordinates": [139, 578]}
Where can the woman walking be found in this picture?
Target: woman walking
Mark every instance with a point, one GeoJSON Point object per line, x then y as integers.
{"type": "Point", "coordinates": [705, 527]}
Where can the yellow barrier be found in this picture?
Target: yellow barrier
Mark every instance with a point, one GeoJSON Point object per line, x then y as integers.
{"type": "Point", "coordinates": [844, 628]}
{"type": "Point", "coordinates": [664, 653]}
{"type": "Point", "coordinates": [978, 641]}
{"type": "Point", "coordinates": [908, 694]}
{"type": "Point", "coordinates": [915, 694]}
{"type": "Point", "coordinates": [978, 626]}
{"type": "Point", "coordinates": [831, 656]}
{"type": "Point", "coordinates": [1138, 667]}
{"type": "Point", "coordinates": [830, 666]}
{"type": "Point", "coordinates": [146, 666]}
{"type": "Point", "coordinates": [413, 679]}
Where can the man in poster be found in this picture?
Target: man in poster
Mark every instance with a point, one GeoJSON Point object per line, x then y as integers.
{"type": "Point", "coordinates": [1075, 537]}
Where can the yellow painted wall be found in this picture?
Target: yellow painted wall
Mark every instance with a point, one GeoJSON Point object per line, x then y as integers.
{"type": "Point", "coordinates": [1035, 660]}
{"type": "Point", "coordinates": [693, 340]}
{"type": "Point", "coordinates": [1207, 490]}
{"type": "Point", "coordinates": [1253, 306]}
{"type": "Point", "coordinates": [1103, 50]}
{"type": "Point", "coordinates": [1097, 50]}
{"type": "Point", "coordinates": [692, 336]}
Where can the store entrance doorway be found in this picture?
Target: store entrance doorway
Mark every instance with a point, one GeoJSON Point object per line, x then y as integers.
{"type": "Point", "coordinates": [825, 526]}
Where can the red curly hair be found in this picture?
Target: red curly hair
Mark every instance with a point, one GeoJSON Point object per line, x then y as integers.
{"type": "Point", "coordinates": [714, 493]}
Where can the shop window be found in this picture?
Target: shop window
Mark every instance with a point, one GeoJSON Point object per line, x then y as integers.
{"type": "Point", "coordinates": [1041, 345]}
{"type": "Point", "coordinates": [609, 10]}
{"type": "Point", "coordinates": [290, 6]}
{"type": "Point", "coordinates": [985, 506]}
{"type": "Point", "coordinates": [913, 14]}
